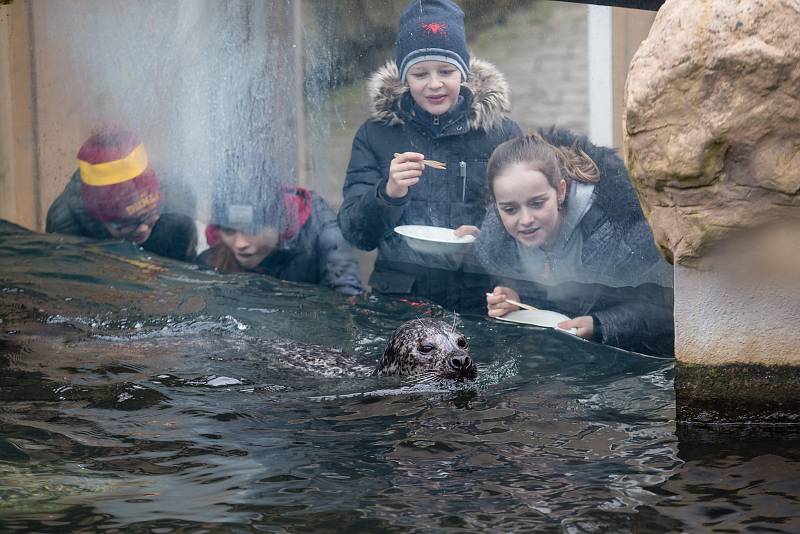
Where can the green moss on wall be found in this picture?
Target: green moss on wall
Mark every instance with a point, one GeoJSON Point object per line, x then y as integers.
{"type": "Point", "coordinates": [737, 393]}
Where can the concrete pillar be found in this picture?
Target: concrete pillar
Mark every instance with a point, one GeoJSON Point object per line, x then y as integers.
{"type": "Point", "coordinates": [736, 338]}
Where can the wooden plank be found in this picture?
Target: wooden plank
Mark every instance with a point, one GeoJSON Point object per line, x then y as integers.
{"type": "Point", "coordinates": [18, 139]}
{"type": "Point", "coordinates": [8, 205]}
{"type": "Point", "coordinates": [629, 27]}
{"type": "Point", "coordinates": [59, 107]}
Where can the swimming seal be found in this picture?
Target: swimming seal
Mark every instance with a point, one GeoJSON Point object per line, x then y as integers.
{"type": "Point", "coordinates": [428, 347]}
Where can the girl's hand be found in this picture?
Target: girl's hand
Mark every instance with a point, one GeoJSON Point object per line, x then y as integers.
{"type": "Point", "coordinates": [584, 326]}
{"type": "Point", "coordinates": [467, 229]}
{"type": "Point", "coordinates": [496, 301]}
{"type": "Point", "coordinates": [404, 172]}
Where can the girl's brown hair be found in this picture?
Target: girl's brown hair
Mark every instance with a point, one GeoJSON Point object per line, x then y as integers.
{"type": "Point", "coordinates": [555, 162]}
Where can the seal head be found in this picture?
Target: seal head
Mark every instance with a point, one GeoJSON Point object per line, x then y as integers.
{"type": "Point", "coordinates": [428, 346]}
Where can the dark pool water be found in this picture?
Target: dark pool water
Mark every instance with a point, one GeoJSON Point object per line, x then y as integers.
{"type": "Point", "coordinates": [139, 395]}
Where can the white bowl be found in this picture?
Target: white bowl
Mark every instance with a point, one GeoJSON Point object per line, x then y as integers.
{"type": "Point", "coordinates": [433, 239]}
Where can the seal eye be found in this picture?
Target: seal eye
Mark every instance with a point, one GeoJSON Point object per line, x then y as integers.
{"type": "Point", "coordinates": [462, 343]}
{"type": "Point", "coordinates": [425, 349]}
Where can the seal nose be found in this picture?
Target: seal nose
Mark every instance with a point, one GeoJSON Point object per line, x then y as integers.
{"type": "Point", "coordinates": [460, 362]}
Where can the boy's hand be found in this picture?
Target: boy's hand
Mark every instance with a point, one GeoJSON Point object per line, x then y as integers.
{"type": "Point", "coordinates": [467, 229]}
{"type": "Point", "coordinates": [404, 172]}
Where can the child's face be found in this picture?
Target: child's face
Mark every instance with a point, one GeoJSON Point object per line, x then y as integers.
{"type": "Point", "coordinates": [528, 204]}
{"type": "Point", "coordinates": [434, 85]}
{"type": "Point", "coordinates": [134, 230]}
{"type": "Point", "coordinates": [249, 250]}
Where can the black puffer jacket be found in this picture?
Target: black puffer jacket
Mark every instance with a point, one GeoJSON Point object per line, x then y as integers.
{"type": "Point", "coordinates": [448, 198]}
{"type": "Point", "coordinates": [315, 253]}
{"type": "Point", "coordinates": [173, 236]}
{"type": "Point", "coordinates": [622, 281]}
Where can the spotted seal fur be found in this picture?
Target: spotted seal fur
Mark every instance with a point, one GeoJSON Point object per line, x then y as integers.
{"type": "Point", "coordinates": [428, 347]}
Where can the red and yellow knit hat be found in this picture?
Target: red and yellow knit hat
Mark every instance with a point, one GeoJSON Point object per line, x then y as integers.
{"type": "Point", "coordinates": [117, 183]}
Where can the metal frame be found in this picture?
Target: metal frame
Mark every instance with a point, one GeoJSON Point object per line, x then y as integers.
{"type": "Point", "coordinates": [649, 5]}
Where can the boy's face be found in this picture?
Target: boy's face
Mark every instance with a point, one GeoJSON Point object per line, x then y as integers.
{"type": "Point", "coordinates": [434, 85]}
{"type": "Point", "coordinates": [249, 250]}
{"type": "Point", "coordinates": [134, 230]}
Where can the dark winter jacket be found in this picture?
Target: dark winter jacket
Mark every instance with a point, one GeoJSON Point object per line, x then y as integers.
{"type": "Point", "coordinates": [313, 252]}
{"type": "Point", "coordinates": [622, 280]}
{"type": "Point", "coordinates": [463, 140]}
{"type": "Point", "coordinates": [173, 236]}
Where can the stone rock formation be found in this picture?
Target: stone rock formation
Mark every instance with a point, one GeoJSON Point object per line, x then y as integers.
{"type": "Point", "coordinates": [712, 123]}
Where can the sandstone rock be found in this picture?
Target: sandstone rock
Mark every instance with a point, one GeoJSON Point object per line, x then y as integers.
{"type": "Point", "coordinates": [712, 121]}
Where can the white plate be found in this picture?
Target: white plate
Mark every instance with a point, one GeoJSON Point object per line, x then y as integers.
{"type": "Point", "coordinates": [433, 239]}
{"type": "Point", "coordinates": [546, 318]}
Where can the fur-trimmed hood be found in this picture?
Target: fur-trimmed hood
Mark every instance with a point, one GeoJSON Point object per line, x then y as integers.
{"type": "Point", "coordinates": [490, 95]}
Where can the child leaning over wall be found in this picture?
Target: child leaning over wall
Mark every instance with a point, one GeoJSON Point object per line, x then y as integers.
{"type": "Point", "coordinates": [283, 231]}
{"type": "Point", "coordinates": [565, 232]}
{"type": "Point", "coordinates": [115, 194]}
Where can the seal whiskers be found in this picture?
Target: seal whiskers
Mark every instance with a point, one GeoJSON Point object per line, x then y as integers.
{"type": "Point", "coordinates": [424, 378]}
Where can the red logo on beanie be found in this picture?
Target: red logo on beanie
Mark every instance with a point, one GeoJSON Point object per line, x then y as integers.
{"type": "Point", "coordinates": [434, 28]}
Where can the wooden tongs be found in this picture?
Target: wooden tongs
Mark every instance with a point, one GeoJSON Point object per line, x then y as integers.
{"type": "Point", "coordinates": [431, 163]}
{"type": "Point", "coordinates": [521, 305]}
{"type": "Point", "coordinates": [518, 304]}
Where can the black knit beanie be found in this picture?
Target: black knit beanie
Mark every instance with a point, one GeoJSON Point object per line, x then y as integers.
{"type": "Point", "coordinates": [432, 30]}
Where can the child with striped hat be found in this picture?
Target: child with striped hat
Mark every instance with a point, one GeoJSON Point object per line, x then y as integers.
{"type": "Point", "coordinates": [115, 194]}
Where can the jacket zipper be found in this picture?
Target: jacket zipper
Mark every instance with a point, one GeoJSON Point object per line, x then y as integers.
{"type": "Point", "coordinates": [462, 168]}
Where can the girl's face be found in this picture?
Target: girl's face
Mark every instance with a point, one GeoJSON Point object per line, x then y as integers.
{"type": "Point", "coordinates": [249, 250]}
{"type": "Point", "coordinates": [434, 85]}
{"type": "Point", "coordinates": [528, 204]}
